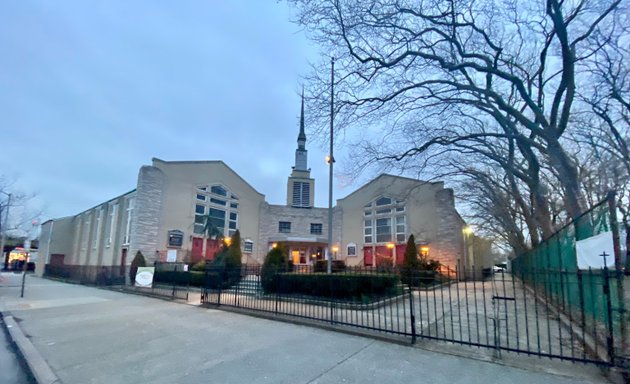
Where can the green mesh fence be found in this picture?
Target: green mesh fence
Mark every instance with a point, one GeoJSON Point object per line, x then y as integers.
{"type": "Point", "coordinates": [588, 297]}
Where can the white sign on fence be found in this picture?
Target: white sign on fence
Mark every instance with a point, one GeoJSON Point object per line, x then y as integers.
{"type": "Point", "coordinates": [144, 277]}
{"type": "Point", "coordinates": [589, 251]}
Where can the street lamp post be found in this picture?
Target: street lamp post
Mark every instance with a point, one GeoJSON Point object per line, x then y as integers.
{"type": "Point", "coordinates": [27, 248]}
{"type": "Point", "coordinates": [3, 235]}
{"type": "Point", "coordinates": [331, 160]}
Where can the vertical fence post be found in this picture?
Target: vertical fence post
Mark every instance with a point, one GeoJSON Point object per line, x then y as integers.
{"type": "Point", "coordinates": [188, 284]}
{"type": "Point", "coordinates": [609, 323]}
{"type": "Point", "coordinates": [276, 282]}
{"type": "Point", "coordinates": [220, 281]}
{"type": "Point", "coordinates": [330, 287]}
{"type": "Point", "coordinates": [204, 287]}
{"type": "Point", "coordinates": [238, 283]}
{"type": "Point", "coordinates": [411, 312]}
{"type": "Point", "coordinates": [614, 226]}
{"type": "Point", "coordinates": [173, 282]}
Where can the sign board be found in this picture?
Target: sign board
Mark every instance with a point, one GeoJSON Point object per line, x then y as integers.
{"type": "Point", "coordinates": [144, 277]}
{"type": "Point", "coordinates": [175, 238]}
{"type": "Point", "coordinates": [171, 256]}
{"type": "Point", "coordinates": [589, 251]}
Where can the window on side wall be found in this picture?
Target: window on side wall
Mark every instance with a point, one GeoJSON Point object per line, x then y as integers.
{"type": "Point", "coordinates": [316, 229]}
{"type": "Point", "coordinates": [352, 249]}
{"type": "Point", "coordinates": [284, 227]}
{"type": "Point", "coordinates": [248, 246]}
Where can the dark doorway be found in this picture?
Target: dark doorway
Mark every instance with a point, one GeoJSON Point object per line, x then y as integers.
{"type": "Point", "coordinates": [123, 261]}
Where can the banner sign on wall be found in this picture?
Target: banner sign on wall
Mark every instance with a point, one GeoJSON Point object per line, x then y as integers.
{"type": "Point", "coordinates": [171, 255]}
{"type": "Point", "coordinates": [144, 277]}
{"type": "Point", "coordinates": [589, 251]}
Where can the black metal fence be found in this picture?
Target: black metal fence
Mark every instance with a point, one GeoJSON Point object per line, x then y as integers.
{"type": "Point", "coordinates": [497, 310]}
{"type": "Point", "coordinates": [169, 279]}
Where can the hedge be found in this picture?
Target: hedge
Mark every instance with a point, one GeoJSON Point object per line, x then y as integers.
{"type": "Point", "coordinates": [212, 280]}
{"type": "Point", "coordinates": [179, 278]}
{"type": "Point", "coordinates": [340, 286]}
{"type": "Point", "coordinates": [336, 266]}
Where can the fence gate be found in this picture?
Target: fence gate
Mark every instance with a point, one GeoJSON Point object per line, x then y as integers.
{"type": "Point", "coordinates": [516, 312]}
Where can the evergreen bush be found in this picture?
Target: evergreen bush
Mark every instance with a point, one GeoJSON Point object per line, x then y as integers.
{"type": "Point", "coordinates": [410, 261]}
{"type": "Point", "coordinates": [234, 255]}
{"type": "Point", "coordinates": [416, 271]}
{"type": "Point", "coordinates": [275, 262]}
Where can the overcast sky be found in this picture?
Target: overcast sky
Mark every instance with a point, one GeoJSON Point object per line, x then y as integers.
{"type": "Point", "coordinates": [91, 90]}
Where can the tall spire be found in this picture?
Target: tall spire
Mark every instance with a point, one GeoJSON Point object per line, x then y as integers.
{"type": "Point", "coordinates": [301, 152]}
{"type": "Point", "coordinates": [302, 135]}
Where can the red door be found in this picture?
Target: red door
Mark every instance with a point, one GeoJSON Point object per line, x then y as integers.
{"type": "Point", "coordinates": [197, 249]}
{"type": "Point", "coordinates": [212, 247]}
{"type": "Point", "coordinates": [368, 257]}
{"type": "Point", "coordinates": [400, 253]}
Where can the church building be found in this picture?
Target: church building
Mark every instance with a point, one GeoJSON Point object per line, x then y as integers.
{"type": "Point", "coordinates": [165, 214]}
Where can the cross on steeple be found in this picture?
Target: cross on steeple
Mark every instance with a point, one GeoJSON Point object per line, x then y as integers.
{"type": "Point", "coordinates": [301, 152]}
{"type": "Point", "coordinates": [302, 135]}
{"type": "Point", "coordinates": [300, 186]}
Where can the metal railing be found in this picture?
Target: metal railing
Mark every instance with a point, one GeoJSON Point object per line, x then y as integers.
{"type": "Point", "coordinates": [491, 310]}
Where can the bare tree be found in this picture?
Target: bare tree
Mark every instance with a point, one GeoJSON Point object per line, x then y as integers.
{"type": "Point", "coordinates": [516, 63]}
{"type": "Point", "coordinates": [15, 210]}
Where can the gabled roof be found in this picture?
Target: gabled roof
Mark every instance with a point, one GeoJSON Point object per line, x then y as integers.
{"type": "Point", "coordinates": [218, 162]}
{"type": "Point", "coordinates": [387, 175]}
{"type": "Point", "coordinates": [86, 210]}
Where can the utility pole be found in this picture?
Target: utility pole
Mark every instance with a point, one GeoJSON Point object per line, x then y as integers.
{"type": "Point", "coordinates": [331, 160]}
{"type": "Point", "coordinates": [3, 235]}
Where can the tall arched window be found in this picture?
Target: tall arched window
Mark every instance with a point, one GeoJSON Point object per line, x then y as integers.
{"type": "Point", "coordinates": [385, 221]}
{"type": "Point", "coordinates": [219, 205]}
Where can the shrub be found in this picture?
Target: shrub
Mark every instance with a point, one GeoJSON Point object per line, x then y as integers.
{"type": "Point", "coordinates": [417, 271]}
{"type": "Point", "coordinates": [223, 271]}
{"type": "Point", "coordinates": [336, 266]}
{"type": "Point", "coordinates": [199, 267]}
{"type": "Point", "coordinates": [275, 262]}
{"type": "Point", "coordinates": [138, 261]}
{"type": "Point", "coordinates": [340, 286]}
{"type": "Point", "coordinates": [410, 260]}
{"type": "Point", "coordinates": [384, 263]}
{"type": "Point", "coordinates": [427, 264]}
{"type": "Point", "coordinates": [411, 264]}
{"type": "Point", "coordinates": [234, 255]}
{"type": "Point", "coordinates": [194, 278]}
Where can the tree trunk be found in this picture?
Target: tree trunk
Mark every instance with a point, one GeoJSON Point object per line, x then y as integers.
{"type": "Point", "coordinates": [568, 178]}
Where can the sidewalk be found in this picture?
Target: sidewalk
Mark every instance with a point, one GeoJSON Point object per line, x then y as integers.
{"type": "Point", "coordinates": [88, 335]}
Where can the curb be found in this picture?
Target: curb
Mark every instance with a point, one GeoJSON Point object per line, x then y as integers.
{"type": "Point", "coordinates": [37, 365]}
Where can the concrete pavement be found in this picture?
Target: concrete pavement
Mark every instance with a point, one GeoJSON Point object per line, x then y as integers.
{"type": "Point", "coordinates": [11, 371]}
{"type": "Point", "coordinates": [88, 335]}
